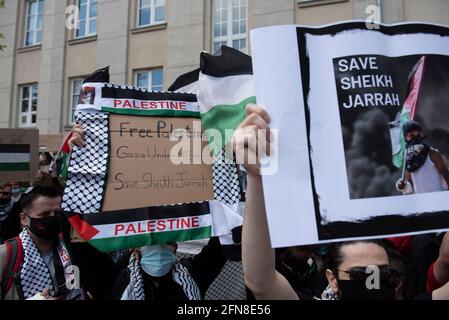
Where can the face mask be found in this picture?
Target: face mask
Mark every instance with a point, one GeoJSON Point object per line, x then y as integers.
{"type": "Point", "coordinates": [46, 228]}
{"type": "Point", "coordinates": [357, 290]}
{"type": "Point", "coordinates": [4, 201]}
{"type": "Point", "coordinates": [416, 154]}
{"type": "Point", "coordinates": [157, 260]}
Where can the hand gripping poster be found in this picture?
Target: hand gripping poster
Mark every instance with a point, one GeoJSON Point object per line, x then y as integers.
{"type": "Point", "coordinates": [145, 174]}
{"type": "Point", "coordinates": [363, 130]}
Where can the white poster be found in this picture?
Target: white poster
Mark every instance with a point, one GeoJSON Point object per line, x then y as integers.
{"type": "Point", "coordinates": [341, 97]}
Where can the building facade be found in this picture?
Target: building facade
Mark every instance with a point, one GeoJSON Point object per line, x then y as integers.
{"type": "Point", "coordinates": [51, 45]}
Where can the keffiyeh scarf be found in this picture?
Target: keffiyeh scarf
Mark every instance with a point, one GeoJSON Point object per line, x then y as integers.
{"type": "Point", "coordinates": [416, 155]}
{"type": "Point", "coordinates": [328, 294]}
{"type": "Point", "coordinates": [180, 274]}
{"type": "Point", "coordinates": [34, 273]}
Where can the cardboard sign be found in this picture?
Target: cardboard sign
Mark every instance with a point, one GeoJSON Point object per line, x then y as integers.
{"type": "Point", "coordinates": [141, 173]}
{"type": "Point", "coordinates": [19, 154]}
{"type": "Point", "coordinates": [332, 93]}
{"type": "Point", "coordinates": [50, 142]}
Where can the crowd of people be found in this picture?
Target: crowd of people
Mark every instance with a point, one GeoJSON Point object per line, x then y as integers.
{"type": "Point", "coordinates": [39, 256]}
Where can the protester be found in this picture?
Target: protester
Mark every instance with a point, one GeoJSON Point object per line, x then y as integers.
{"type": "Point", "coordinates": [10, 195]}
{"type": "Point", "coordinates": [37, 263]}
{"type": "Point", "coordinates": [302, 266]}
{"type": "Point", "coordinates": [426, 170]}
{"type": "Point", "coordinates": [347, 263]}
{"type": "Point", "coordinates": [154, 273]}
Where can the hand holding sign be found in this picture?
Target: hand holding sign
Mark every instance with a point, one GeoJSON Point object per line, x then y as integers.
{"type": "Point", "coordinates": [252, 135]}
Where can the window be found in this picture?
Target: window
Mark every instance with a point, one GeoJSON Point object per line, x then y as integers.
{"type": "Point", "coordinates": [33, 22]}
{"type": "Point", "coordinates": [87, 23]}
{"type": "Point", "coordinates": [149, 79]}
{"type": "Point", "coordinates": [28, 106]}
{"type": "Point", "coordinates": [75, 88]}
{"type": "Point", "coordinates": [150, 12]}
{"type": "Point", "coordinates": [229, 24]}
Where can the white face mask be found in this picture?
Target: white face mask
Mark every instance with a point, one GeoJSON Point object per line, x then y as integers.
{"type": "Point", "coordinates": [157, 260]}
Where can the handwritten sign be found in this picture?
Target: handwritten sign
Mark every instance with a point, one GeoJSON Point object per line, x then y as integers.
{"type": "Point", "coordinates": [141, 173]}
{"type": "Point", "coordinates": [19, 155]}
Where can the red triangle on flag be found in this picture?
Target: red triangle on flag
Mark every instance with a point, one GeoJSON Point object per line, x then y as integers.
{"type": "Point", "coordinates": [85, 230]}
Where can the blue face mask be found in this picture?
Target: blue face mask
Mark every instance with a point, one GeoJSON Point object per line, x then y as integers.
{"type": "Point", "coordinates": [157, 260]}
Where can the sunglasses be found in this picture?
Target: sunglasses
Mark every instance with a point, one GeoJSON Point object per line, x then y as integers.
{"type": "Point", "coordinates": [389, 277]}
{"type": "Point", "coordinates": [5, 193]}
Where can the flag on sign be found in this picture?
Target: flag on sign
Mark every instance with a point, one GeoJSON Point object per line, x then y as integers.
{"type": "Point", "coordinates": [408, 112]}
{"type": "Point", "coordinates": [14, 157]}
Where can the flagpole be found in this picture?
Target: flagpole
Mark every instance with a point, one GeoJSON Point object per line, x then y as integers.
{"type": "Point", "coordinates": [59, 152]}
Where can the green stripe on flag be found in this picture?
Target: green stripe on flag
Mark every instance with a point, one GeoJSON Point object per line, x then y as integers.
{"type": "Point", "coordinates": [147, 239]}
{"type": "Point", "coordinates": [398, 158]}
{"type": "Point", "coordinates": [17, 166]}
{"type": "Point", "coordinates": [154, 113]}
{"type": "Point", "coordinates": [222, 117]}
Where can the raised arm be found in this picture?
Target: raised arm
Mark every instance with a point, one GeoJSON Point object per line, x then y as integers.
{"type": "Point", "coordinates": [257, 255]}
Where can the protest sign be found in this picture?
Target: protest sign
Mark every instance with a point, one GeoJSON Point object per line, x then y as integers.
{"type": "Point", "coordinates": [19, 154]}
{"type": "Point", "coordinates": [127, 187]}
{"type": "Point", "coordinates": [334, 93]}
{"type": "Point", "coordinates": [141, 172]}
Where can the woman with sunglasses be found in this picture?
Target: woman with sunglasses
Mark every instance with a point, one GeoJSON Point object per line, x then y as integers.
{"type": "Point", "coordinates": [355, 270]}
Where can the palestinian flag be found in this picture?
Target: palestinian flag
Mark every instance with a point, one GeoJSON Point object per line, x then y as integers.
{"type": "Point", "coordinates": [187, 82]}
{"type": "Point", "coordinates": [226, 87]}
{"type": "Point", "coordinates": [408, 112]}
{"type": "Point", "coordinates": [111, 231]}
{"type": "Point", "coordinates": [62, 158]}
{"type": "Point", "coordinates": [14, 157]}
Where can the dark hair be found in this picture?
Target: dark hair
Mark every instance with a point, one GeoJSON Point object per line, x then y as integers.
{"type": "Point", "coordinates": [410, 126]}
{"type": "Point", "coordinates": [335, 257]}
{"type": "Point", "coordinates": [38, 191]}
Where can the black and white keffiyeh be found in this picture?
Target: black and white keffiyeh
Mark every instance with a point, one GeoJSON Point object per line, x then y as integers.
{"type": "Point", "coordinates": [134, 290]}
{"type": "Point", "coordinates": [182, 277]}
{"type": "Point", "coordinates": [34, 273]}
{"type": "Point", "coordinates": [329, 294]}
{"type": "Point", "coordinates": [180, 274]}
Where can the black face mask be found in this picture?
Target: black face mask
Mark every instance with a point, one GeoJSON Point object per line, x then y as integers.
{"type": "Point", "coordinates": [46, 228]}
{"type": "Point", "coordinates": [4, 201]}
{"type": "Point", "coordinates": [357, 290]}
{"type": "Point", "coordinates": [416, 154]}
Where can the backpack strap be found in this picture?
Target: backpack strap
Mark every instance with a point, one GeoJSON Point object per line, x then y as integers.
{"type": "Point", "coordinates": [14, 258]}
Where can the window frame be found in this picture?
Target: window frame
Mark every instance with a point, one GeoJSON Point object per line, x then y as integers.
{"type": "Point", "coordinates": [87, 21]}
{"type": "Point", "coordinates": [35, 27]}
{"type": "Point", "coordinates": [152, 15]}
{"type": "Point", "coordinates": [230, 36]}
{"type": "Point", "coordinates": [71, 96]}
{"type": "Point", "coordinates": [29, 114]}
{"type": "Point", "coordinates": [150, 78]}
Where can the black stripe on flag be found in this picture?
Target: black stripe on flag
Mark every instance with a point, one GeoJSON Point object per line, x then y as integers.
{"type": "Point", "coordinates": [150, 213]}
{"type": "Point", "coordinates": [231, 62]}
{"type": "Point", "coordinates": [14, 148]}
{"type": "Point", "coordinates": [119, 93]}
{"type": "Point", "coordinates": [185, 79]}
